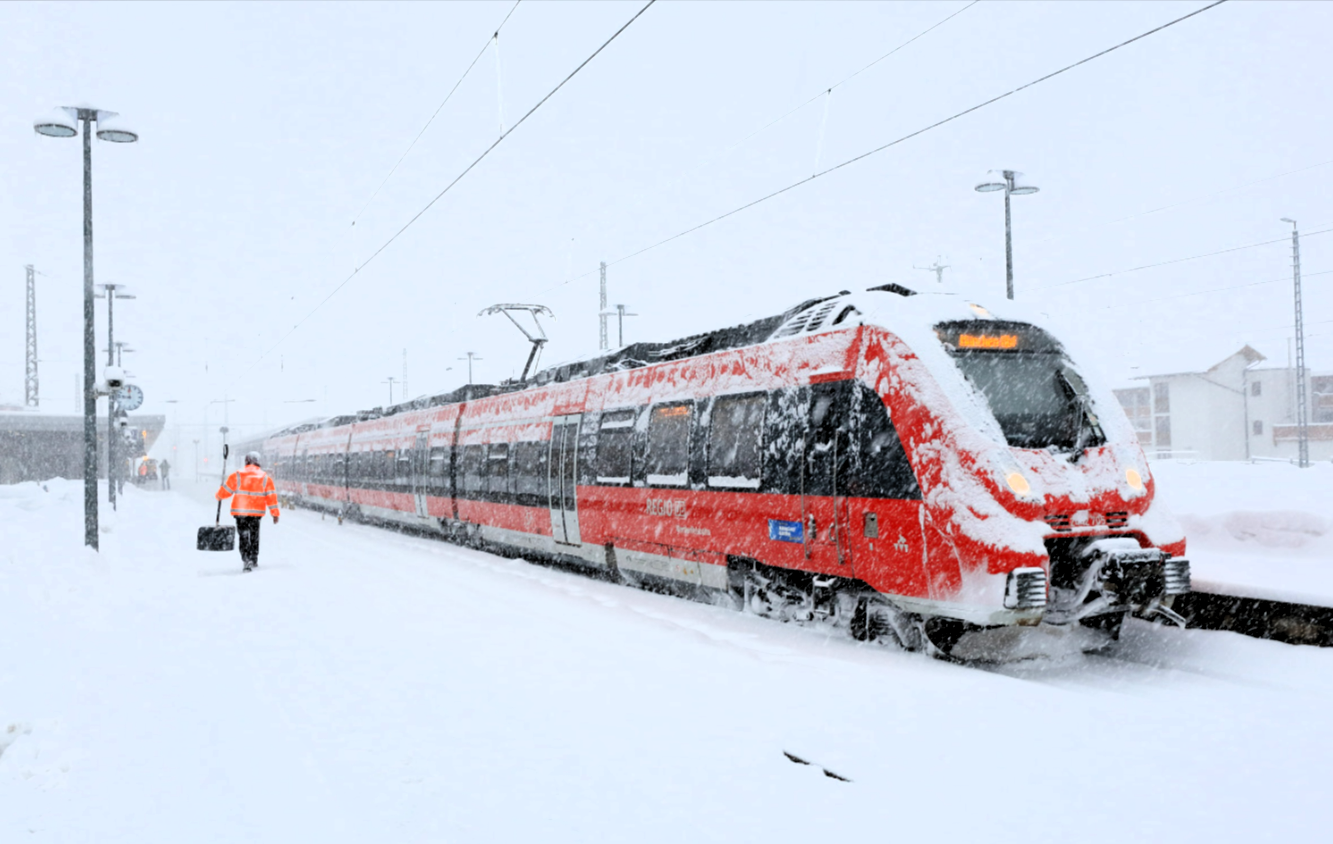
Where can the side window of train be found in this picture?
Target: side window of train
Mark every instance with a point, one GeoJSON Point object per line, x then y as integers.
{"type": "Point", "coordinates": [473, 469]}
{"type": "Point", "coordinates": [403, 473]}
{"type": "Point", "coordinates": [876, 465]}
{"type": "Point", "coordinates": [529, 471]}
{"type": "Point", "coordinates": [668, 453]}
{"type": "Point", "coordinates": [438, 467]}
{"type": "Point", "coordinates": [784, 439]}
{"type": "Point", "coordinates": [615, 447]}
{"type": "Point", "coordinates": [735, 447]}
{"type": "Point", "coordinates": [827, 439]}
{"type": "Point", "coordinates": [497, 471]}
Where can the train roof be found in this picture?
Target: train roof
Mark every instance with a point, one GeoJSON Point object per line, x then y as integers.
{"type": "Point", "coordinates": [809, 316]}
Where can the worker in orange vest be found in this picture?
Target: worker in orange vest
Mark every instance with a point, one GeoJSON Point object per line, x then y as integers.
{"type": "Point", "coordinates": [254, 491]}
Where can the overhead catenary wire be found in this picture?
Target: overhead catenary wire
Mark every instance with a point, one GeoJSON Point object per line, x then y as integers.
{"type": "Point", "coordinates": [1135, 303]}
{"type": "Point", "coordinates": [448, 187]}
{"type": "Point", "coordinates": [1181, 260]}
{"type": "Point", "coordinates": [896, 141]}
{"type": "Point", "coordinates": [495, 37]}
{"type": "Point", "coordinates": [847, 79]}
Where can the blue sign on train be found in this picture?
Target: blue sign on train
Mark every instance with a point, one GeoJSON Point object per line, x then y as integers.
{"type": "Point", "coordinates": [781, 531]}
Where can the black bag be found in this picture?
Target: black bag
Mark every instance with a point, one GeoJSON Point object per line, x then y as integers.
{"type": "Point", "coordinates": [218, 537]}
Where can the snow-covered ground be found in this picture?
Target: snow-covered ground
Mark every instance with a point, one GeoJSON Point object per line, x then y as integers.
{"type": "Point", "coordinates": [368, 686]}
{"type": "Point", "coordinates": [1263, 530]}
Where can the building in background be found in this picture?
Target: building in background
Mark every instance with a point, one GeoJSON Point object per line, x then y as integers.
{"type": "Point", "coordinates": [1235, 410]}
{"type": "Point", "coordinates": [41, 446]}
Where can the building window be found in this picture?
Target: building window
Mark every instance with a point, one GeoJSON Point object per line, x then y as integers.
{"type": "Point", "coordinates": [1137, 403]}
{"type": "Point", "coordinates": [1321, 386]}
{"type": "Point", "coordinates": [1258, 428]}
{"type": "Point", "coordinates": [1256, 388]}
{"type": "Point", "coordinates": [1163, 430]}
{"type": "Point", "coordinates": [1161, 398]}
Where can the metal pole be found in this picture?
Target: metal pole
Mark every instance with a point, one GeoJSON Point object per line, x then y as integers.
{"type": "Point", "coordinates": [111, 397]}
{"type": "Point", "coordinates": [602, 341]}
{"type": "Point", "coordinates": [1008, 236]}
{"type": "Point", "coordinates": [31, 395]}
{"type": "Point", "coordinates": [1302, 414]}
{"type": "Point", "coordinates": [89, 345]}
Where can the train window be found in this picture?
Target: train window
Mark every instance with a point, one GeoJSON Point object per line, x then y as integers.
{"type": "Point", "coordinates": [668, 454]}
{"type": "Point", "coordinates": [497, 469]}
{"type": "Point", "coordinates": [403, 471]}
{"type": "Point", "coordinates": [530, 473]}
{"type": "Point", "coordinates": [615, 445]}
{"type": "Point", "coordinates": [439, 462]}
{"type": "Point", "coordinates": [1033, 391]}
{"type": "Point", "coordinates": [734, 445]}
{"type": "Point", "coordinates": [876, 465]}
{"type": "Point", "coordinates": [827, 438]}
{"type": "Point", "coordinates": [384, 466]}
{"type": "Point", "coordinates": [474, 468]}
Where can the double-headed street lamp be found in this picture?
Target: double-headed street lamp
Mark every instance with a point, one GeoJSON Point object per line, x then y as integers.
{"type": "Point", "coordinates": [111, 292]}
{"type": "Point", "coordinates": [1010, 189]}
{"type": "Point", "coordinates": [63, 123]}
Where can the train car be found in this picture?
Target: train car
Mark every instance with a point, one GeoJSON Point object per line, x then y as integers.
{"type": "Point", "coordinates": [910, 467]}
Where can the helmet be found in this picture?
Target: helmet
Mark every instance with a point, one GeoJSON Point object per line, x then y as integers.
{"type": "Point", "coordinates": [252, 458]}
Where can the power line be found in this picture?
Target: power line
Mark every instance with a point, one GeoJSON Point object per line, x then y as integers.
{"type": "Point", "coordinates": [1221, 192]}
{"type": "Point", "coordinates": [898, 141]}
{"type": "Point", "coordinates": [436, 113]}
{"type": "Point", "coordinates": [1139, 302]}
{"type": "Point", "coordinates": [1178, 260]}
{"type": "Point", "coordinates": [839, 84]}
{"type": "Point", "coordinates": [449, 186]}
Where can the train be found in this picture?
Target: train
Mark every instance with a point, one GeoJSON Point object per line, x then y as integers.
{"type": "Point", "coordinates": [905, 466]}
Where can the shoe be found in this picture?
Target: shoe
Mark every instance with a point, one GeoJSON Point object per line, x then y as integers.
{"type": "Point", "coordinates": [248, 567]}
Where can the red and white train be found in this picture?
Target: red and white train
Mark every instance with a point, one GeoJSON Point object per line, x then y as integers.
{"type": "Point", "coordinates": [910, 466]}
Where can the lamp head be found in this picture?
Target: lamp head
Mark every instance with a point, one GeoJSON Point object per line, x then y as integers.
{"type": "Point", "coordinates": [56, 124]}
{"type": "Point", "coordinates": [112, 128]}
{"type": "Point", "coordinates": [987, 187]}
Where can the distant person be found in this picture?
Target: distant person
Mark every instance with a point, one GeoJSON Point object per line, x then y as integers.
{"type": "Point", "coordinates": [143, 473]}
{"type": "Point", "coordinates": [165, 468]}
{"type": "Point", "coordinates": [254, 491]}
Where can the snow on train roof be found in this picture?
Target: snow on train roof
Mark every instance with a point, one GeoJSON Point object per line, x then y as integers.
{"type": "Point", "coordinates": [907, 313]}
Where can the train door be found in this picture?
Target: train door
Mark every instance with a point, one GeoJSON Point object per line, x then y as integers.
{"type": "Point", "coordinates": [823, 503]}
{"type": "Point", "coordinates": [421, 472]}
{"type": "Point", "coordinates": [561, 477]}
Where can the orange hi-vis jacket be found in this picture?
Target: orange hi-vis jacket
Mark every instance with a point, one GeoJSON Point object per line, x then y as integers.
{"type": "Point", "coordinates": [254, 491]}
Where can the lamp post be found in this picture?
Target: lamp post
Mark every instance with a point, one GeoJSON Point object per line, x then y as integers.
{"type": "Point", "coordinates": [471, 356]}
{"type": "Point", "coordinates": [1010, 189]}
{"type": "Point", "coordinates": [111, 292]}
{"type": "Point", "coordinates": [63, 123]}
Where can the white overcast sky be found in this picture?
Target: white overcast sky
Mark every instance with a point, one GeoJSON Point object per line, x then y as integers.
{"type": "Point", "coordinates": [267, 127]}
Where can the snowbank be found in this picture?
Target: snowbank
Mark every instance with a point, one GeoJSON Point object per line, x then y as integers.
{"type": "Point", "coordinates": [1263, 530]}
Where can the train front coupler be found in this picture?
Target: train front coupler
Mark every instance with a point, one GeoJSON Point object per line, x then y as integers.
{"type": "Point", "coordinates": [1113, 576]}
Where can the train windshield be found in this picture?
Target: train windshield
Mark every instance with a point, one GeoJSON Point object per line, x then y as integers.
{"type": "Point", "coordinates": [1031, 387]}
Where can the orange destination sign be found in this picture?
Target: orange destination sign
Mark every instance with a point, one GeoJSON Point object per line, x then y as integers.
{"type": "Point", "coordinates": [987, 341]}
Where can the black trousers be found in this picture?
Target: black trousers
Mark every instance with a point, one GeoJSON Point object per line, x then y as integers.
{"type": "Point", "coordinates": [247, 531]}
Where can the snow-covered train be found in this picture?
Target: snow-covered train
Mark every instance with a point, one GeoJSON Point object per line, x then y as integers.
{"type": "Point", "coordinates": [908, 466]}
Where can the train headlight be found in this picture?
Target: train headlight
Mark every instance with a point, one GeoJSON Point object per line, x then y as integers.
{"type": "Point", "coordinates": [1018, 483]}
{"type": "Point", "coordinates": [1134, 479]}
